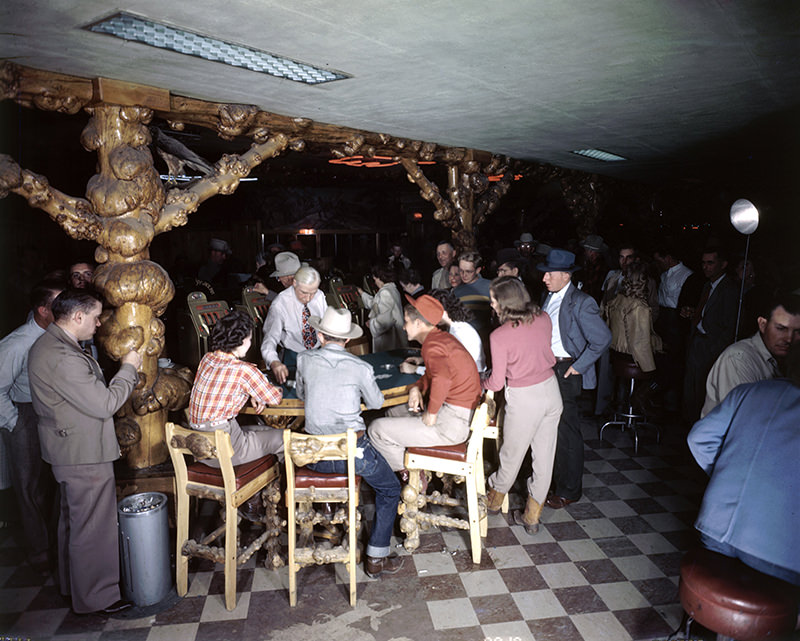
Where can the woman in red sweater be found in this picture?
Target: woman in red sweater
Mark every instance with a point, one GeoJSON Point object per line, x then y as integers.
{"type": "Point", "coordinates": [523, 361]}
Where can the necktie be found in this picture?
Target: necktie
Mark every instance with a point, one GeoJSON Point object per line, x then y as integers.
{"type": "Point", "coordinates": [309, 335]}
{"type": "Point", "coordinates": [698, 311]}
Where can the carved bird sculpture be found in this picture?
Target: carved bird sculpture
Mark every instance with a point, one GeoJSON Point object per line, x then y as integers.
{"type": "Point", "coordinates": [176, 155]}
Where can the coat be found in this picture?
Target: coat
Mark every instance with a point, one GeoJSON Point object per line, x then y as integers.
{"type": "Point", "coordinates": [584, 334]}
{"type": "Point", "coordinates": [632, 331]}
{"type": "Point", "coordinates": [73, 402]}
{"type": "Point", "coordinates": [385, 318]}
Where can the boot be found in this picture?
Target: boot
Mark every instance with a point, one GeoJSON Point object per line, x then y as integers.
{"type": "Point", "coordinates": [530, 518]}
{"type": "Point", "coordinates": [494, 501]}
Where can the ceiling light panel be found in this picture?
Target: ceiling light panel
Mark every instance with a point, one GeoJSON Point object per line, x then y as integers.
{"type": "Point", "coordinates": [599, 154]}
{"type": "Point", "coordinates": [130, 27]}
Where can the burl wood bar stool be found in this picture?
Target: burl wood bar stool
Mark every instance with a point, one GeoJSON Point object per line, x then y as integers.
{"type": "Point", "coordinates": [734, 600]}
{"type": "Point", "coordinates": [231, 486]}
{"type": "Point", "coordinates": [305, 487]}
{"type": "Point", "coordinates": [464, 461]}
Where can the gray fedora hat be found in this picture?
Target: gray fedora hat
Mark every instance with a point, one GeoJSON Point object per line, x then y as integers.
{"type": "Point", "coordinates": [594, 242]}
{"type": "Point", "coordinates": [337, 323]}
{"type": "Point", "coordinates": [286, 264]}
{"type": "Point", "coordinates": [558, 260]}
{"type": "Point", "coordinates": [217, 244]}
{"type": "Point", "coordinates": [525, 237]}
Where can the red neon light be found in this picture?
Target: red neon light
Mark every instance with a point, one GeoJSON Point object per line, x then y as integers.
{"type": "Point", "coordinates": [372, 162]}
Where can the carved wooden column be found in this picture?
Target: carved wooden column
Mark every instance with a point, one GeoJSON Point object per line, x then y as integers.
{"type": "Point", "coordinates": [127, 194]}
{"type": "Point", "coordinates": [126, 206]}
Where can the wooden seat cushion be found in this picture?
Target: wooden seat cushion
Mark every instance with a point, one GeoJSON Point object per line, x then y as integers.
{"type": "Point", "coordinates": [450, 452]}
{"type": "Point", "coordinates": [305, 477]}
{"type": "Point", "coordinates": [731, 598]}
{"type": "Point", "coordinates": [246, 472]}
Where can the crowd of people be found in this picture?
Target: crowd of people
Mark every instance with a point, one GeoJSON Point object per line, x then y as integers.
{"type": "Point", "coordinates": [544, 324]}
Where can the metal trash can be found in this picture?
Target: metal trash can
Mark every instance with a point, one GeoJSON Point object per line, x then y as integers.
{"type": "Point", "coordinates": [144, 547]}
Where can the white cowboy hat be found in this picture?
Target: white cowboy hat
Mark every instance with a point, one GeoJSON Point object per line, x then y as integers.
{"type": "Point", "coordinates": [337, 323]}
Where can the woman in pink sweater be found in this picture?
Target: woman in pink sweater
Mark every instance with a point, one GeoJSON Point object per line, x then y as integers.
{"type": "Point", "coordinates": [522, 361]}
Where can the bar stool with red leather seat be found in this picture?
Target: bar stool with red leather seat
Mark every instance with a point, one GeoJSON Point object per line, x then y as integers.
{"type": "Point", "coordinates": [625, 368]}
{"type": "Point", "coordinates": [305, 487]}
{"type": "Point", "coordinates": [734, 600]}
{"type": "Point", "coordinates": [464, 460]}
{"type": "Point", "coordinates": [231, 487]}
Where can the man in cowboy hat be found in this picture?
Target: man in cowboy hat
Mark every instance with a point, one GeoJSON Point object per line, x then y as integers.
{"type": "Point", "coordinates": [579, 338]}
{"type": "Point", "coordinates": [286, 266]}
{"type": "Point", "coordinates": [332, 383]}
{"type": "Point", "coordinates": [451, 383]}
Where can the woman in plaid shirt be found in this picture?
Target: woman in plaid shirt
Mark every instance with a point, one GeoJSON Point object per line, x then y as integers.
{"type": "Point", "coordinates": [223, 385]}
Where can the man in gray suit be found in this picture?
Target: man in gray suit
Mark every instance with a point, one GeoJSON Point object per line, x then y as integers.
{"type": "Point", "coordinates": [76, 431]}
{"type": "Point", "coordinates": [579, 338]}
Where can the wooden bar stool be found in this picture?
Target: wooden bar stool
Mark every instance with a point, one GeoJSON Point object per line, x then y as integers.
{"type": "Point", "coordinates": [231, 487]}
{"type": "Point", "coordinates": [304, 487]}
{"type": "Point", "coordinates": [464, 460]}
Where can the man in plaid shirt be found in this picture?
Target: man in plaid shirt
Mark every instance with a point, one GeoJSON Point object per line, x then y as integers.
{"type": "Point", "coordinates": [223, 385]}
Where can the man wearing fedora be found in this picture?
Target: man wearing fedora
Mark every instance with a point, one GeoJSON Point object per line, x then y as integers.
{"type": "Point", "coordinates": [215, 271]}
{"type": "Point", "coordinates": [286, 266]}
{"type": "Point", "coordinates": [579, 338]}
{"type": "Point", "coordinates": [288, 322]}
{"type": "Point", "coordinates": [332, 382]}
{"type": "Point", "coordinates": [594, 266]}
{"type": "Point", "coordinates": [451, 383]}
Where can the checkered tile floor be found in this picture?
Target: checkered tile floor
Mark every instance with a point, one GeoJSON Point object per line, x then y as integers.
{"type": "Point", "coordinates": [605, 568]}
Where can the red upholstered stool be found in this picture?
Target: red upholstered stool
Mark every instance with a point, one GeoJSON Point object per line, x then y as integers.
{"type": "Point", "coordinates": [232, 486]}
{"type": "Point", "coordinates": [733, 600]}
{"type": "Point", "coordinates": [464, 460]}
{"type": "Point", "coordinates": [306, 487]}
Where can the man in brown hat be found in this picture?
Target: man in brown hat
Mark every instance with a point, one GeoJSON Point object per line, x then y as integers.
{"type": "Point", "coordinates": [332, 383]}
{"type": "Point", "coordinates": [451, 383]}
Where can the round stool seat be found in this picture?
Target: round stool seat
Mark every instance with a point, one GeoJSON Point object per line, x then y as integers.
{"type": "Point", "coordinates": [730, 598]}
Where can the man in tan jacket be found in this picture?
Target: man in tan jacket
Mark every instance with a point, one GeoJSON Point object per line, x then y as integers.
{"type": "Point", "coordinates": [76, 430]}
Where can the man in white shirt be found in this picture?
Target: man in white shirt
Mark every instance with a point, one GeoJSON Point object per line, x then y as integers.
{"type": "Point", "coordinates": [669, 325]}
{"type": "Point", "coordinates": [34, 486]}
{"type": "Point", "coordinates": [288, 321]}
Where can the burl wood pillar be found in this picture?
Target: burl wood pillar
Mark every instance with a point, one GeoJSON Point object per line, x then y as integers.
{"type": "Point", "coordinates": [127, 194]}
{"type": "Point", "coordinates": [126, 206]}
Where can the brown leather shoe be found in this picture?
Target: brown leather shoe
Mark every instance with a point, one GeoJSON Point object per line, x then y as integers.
{"type": "Point", "coordinates": [557, 502]}
{"type": "Point", "coordinates": [375, 566]}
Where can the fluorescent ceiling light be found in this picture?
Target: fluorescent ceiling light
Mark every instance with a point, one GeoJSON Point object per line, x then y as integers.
{"type": "Point", "coordinates": [130, 27]}
{"type": "Point", "coordinates": [185, 179]}
{"type": "Point", "coordinates": [599, 154]}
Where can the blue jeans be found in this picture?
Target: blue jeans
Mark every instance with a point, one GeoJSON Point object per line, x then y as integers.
{"type": "Point", "coordinates": [375, 471]}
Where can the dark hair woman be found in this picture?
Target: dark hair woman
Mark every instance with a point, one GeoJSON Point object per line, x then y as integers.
{"type": "Point", "coordinates": [522, 361]}
{"type": "Point", "coordinates": [225, 383]}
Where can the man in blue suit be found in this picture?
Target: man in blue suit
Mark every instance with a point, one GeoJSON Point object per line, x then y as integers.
{"type": "Point", "coordinates": [749, 446]}
{"type": "Point", "coordinates": [580, 336]}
